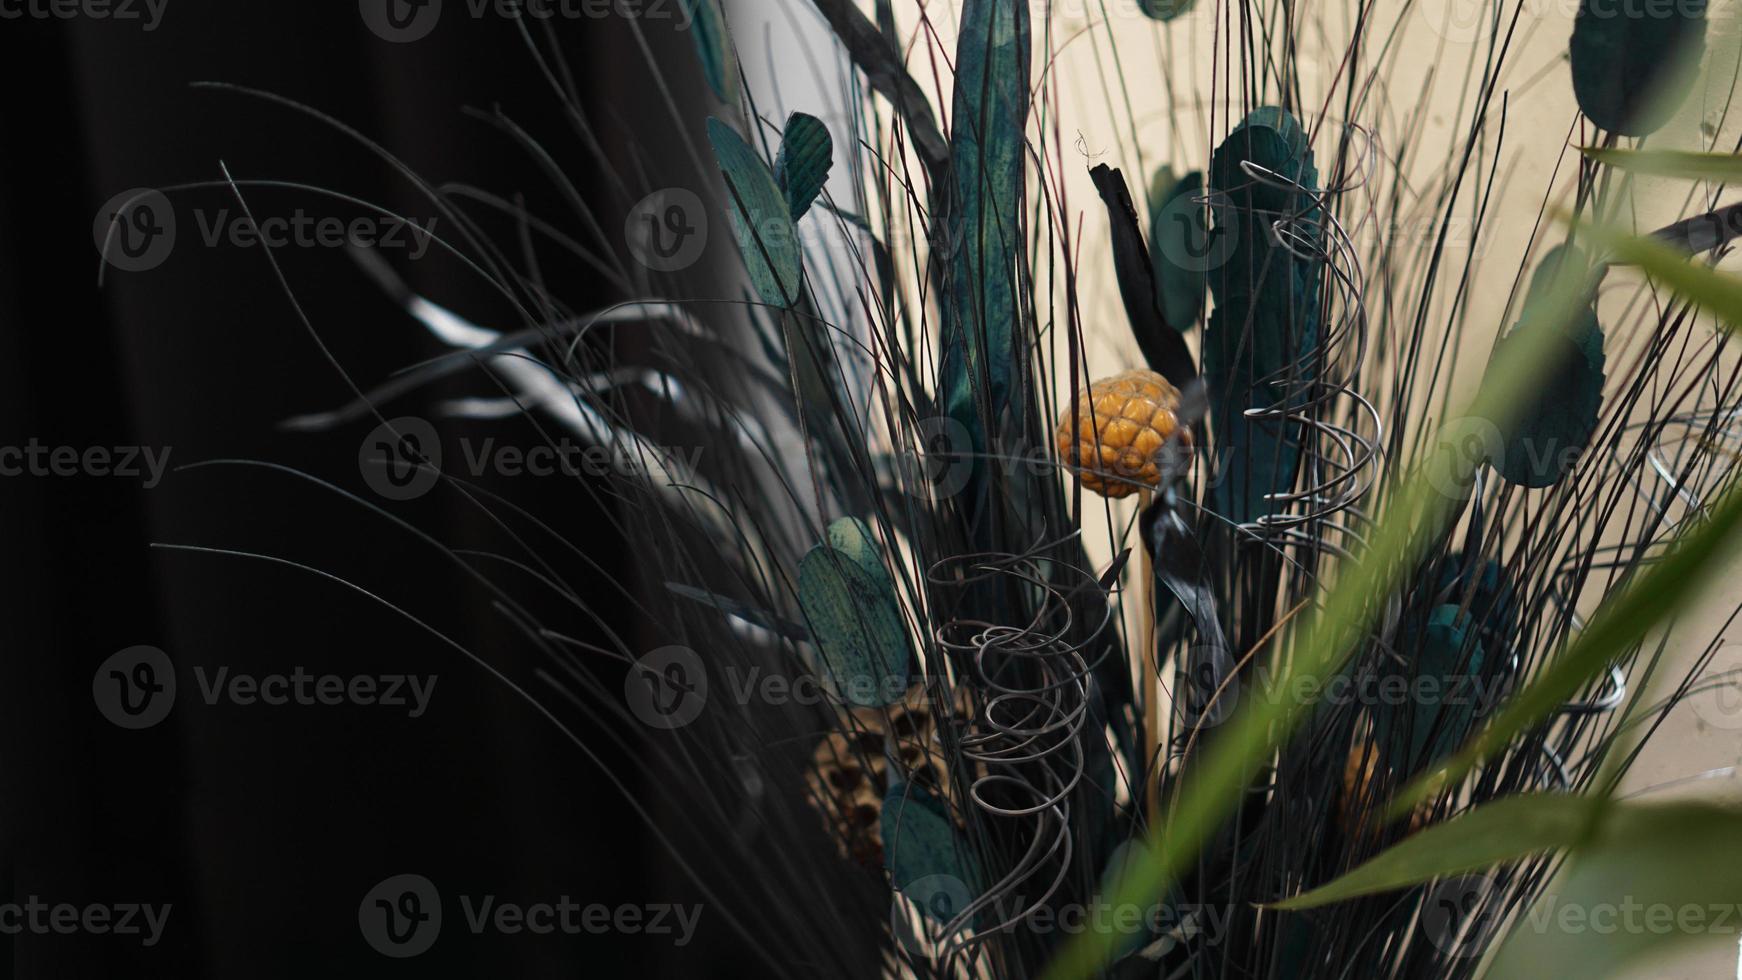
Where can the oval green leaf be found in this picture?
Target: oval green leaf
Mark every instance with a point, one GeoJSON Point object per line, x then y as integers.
{"type": "Point", "coordinates": [1178, 237]}
{"type": "Point", "coordinates": [857, 626]}
{"type": "Point", "coordinates": [1633, 63]}
{"type": "Point", "coordinates": [807, 152]}
{"type": "Point", "coordinates": [928, 860]}
{"type": "Point", "coordinates": [760, 218]}
{"type": "Point", "coordinates": [1559, 415]}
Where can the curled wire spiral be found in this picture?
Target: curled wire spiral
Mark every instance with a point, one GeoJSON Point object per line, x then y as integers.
{"type": "Point", "coordinates": [1341, 450]}
{"type": "Point", "coordinates": [1026, 744]}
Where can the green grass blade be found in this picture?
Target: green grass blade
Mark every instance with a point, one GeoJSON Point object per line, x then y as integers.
{"type": "Point", "coordinates": [1726, 167]}
{"type": "Point", "coordinates": [1718, 293]}
{"type": "Point", "coordinates": [1501, 831]}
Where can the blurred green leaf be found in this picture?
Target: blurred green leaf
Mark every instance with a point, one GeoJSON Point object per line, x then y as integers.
{"type": "Point", "coordinates": [1633, 63]}
{"type": "Point", "coordinates": [1719, 293]}
{"type": "Point", "coordinates": [713, 45]}
{"type": "Point", "coordinates": [1504, 830]}
{"type": "Point", "coordinates": [1641, 877]}
{"type": "Point", "coordinates": [1726, 167]}
{"type": "Point", "coordinates": [1650, 878]}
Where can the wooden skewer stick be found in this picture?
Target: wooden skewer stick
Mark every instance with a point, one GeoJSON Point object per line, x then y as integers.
{"type": "Point", "coordinates": [1148, 670]}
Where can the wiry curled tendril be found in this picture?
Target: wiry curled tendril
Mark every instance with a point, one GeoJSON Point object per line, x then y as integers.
{"type": "Point", "coordinates": [1026, 744]}
{"type": "Point", "coordinates": [1341, 449]}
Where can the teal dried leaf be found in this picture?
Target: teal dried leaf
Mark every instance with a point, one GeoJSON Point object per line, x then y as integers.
{"type": "Point", "coordinates": [1440, 712]}
{"type": "Point", "coordinates": [1494, 602]}
{"type": "Point", "coordinates": [990, 115]}
{"type": "Point", "coordinates": [857, 625]}
{"type": "Point", "coordinates": [713, 45]}
{"type": "Point", "coordinates": [928, 859]}
{"type": "Point", "coordinates": [1558, 418]}
{"type": "Point", "coordinates": [1178, 244]}
{"type": "Point", "coordinates": [1266, 323]}
{"type": "Point", "coordinates": [760, 218]}
{"type": "Point", "coordinates": [1164, 10]}
{"type": "Point", "coordinates": [1163, 348]}
{"type": "Point", "coordinates": [1633, 63]}
{"type": "Point", "coordinates": [852, 537]}
{"type": "Point", "coordinates": [807, 152]}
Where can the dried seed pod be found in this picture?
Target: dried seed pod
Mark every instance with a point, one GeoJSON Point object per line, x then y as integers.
{"type": "Point", "coordinates": [1122, 426]}
{"type": "Point", "coordinates": [850, 770]}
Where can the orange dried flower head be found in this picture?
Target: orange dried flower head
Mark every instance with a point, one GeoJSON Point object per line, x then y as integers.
{"type": "Point", "coordinates": [1115, 440]}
